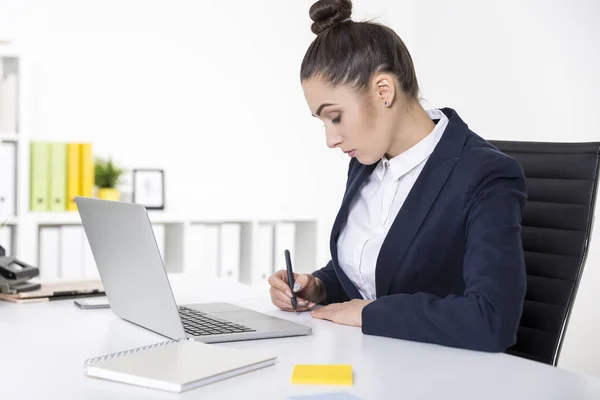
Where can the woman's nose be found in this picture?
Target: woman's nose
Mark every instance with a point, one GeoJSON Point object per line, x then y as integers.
{"type": "Point", "coordinates": [333, 140]}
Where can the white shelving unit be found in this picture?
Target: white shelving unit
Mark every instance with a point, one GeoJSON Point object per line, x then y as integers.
{"type": "Point", "coordinates": [12, 62]}
{"type": "Point", "coordinates": [9, 137]}
{"type": "Point", "coordinates": [249, 258]}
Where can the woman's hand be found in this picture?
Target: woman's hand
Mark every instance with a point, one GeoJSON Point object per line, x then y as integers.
{"type": "Point", "coordinates": [309, 291]}
{"type": "Point", "coordinates": [348, 313]}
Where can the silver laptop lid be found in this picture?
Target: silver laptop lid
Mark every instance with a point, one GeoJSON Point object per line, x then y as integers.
{"type": "Point", "coordinates": [130, 265]}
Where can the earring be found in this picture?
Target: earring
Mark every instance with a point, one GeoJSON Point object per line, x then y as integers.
{"type": "Point", "coordinates": [387, 103]}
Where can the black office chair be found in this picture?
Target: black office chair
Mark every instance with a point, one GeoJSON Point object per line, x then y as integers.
{"type": "Point", "coordinates": [562, 181]}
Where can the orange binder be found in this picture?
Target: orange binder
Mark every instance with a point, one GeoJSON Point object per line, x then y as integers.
{"type": "Point", "coordinates": [86, 169]}
{"type": "Point", "coordinates": [73, 175]}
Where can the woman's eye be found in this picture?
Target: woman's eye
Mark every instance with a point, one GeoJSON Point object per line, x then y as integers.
{"type": "Point", "coordinates": [337, 119]}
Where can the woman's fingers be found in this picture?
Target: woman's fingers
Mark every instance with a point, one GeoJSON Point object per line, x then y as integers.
{"type": "Point", "coordinates": [282, 305]}
{"type": "Point", "coordinates": [278, 294]}
{"type": "Point", "coordinates": [276, 282]}
{"type": "Point", "coordinates": [280, 300]}
{"type": "Point", "coordinates": [285, 306]}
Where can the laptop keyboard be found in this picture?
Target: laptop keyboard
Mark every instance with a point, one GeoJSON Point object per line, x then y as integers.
{"type": "Point", "coordinates": [197, 323]}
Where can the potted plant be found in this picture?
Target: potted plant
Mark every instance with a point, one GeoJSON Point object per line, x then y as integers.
{"type": "Point", "coordinates": [107, 175]}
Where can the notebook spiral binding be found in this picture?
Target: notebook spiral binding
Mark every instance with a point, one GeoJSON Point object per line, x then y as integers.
{"type": "Point", "coordinates": [94, 360]}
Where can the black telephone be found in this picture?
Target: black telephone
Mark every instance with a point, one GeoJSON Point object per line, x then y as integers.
{"type": "Point", "coordinates": [14, 275]}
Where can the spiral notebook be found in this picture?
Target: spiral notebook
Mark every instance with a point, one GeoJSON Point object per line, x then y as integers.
{"type": "Point", "coordinates": [176, 365]}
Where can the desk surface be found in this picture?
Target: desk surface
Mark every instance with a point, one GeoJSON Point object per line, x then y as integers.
{"type": "Point", "coordinates": [44, 346]}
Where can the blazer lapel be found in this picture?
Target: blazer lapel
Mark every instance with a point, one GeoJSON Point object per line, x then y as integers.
{"type": "Point", "coordinates": [360, 176]}
{"type": "Point", "coordinates": [418, 203]}
{"type": "Point", "coordinates": [342, 216]}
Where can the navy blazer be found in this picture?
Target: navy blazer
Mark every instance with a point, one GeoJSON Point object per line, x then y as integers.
{"type": "Point", "coordinates": [451, 270]}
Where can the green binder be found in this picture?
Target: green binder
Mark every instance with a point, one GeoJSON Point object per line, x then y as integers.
{"type": "Point", "coordinates": [40, 157]}
{"type": "Point", "coordinates": [58, 177]}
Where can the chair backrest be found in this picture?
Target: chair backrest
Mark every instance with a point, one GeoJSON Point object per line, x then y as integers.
{"type": "Point", "coordinates": [562, 181]}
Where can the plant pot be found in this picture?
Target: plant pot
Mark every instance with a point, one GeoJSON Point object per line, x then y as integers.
{"type": "Point", "coordinates": [108, 194]}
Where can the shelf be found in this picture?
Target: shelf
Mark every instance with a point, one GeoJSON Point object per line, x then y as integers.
{"type": "Point", "coordinates": [54, 218]}
{"type": "Point", "coordinates": [282, 219]}
{"type": "Point", "coordinates": [11, 220]}
{"type": "Point", "coordinates": [258, 219]}
{"type": "Point", "coordinates": [8, 51]}
{"type": "Point", "coordinates": [158, 217]}
{"type": "Point", "coordinates": [219, 220]}
{"type": "Point", "coordinates": [73, 218]}
{"type": "Point", "coordinates": [9, 137]}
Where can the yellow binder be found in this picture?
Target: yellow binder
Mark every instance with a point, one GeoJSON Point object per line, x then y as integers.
{"type": "Point", "coordinates": [73, 175]}
{"type": "Point", "coordinates": [86, 169]}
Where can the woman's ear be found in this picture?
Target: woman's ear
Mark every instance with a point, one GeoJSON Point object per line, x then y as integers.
{"type": "Point", "coordinates": [385, 87]}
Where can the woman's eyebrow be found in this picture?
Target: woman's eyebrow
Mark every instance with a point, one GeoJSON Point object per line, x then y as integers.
{"type": "Point", "coordinates": [322, 106]}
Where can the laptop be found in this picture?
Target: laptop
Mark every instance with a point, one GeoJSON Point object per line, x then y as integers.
{"type": "Point", "coordinates": [135, 280]}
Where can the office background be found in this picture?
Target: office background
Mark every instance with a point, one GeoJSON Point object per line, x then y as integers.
{"type": "Point", "coordinates": [209, 92]}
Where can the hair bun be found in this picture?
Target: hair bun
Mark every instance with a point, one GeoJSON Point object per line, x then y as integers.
{"type": "Point", "coordinates": [327, 13]}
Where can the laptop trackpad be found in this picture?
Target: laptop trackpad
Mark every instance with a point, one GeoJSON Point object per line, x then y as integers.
{"type": "Point", "coordinates": [242, 316]}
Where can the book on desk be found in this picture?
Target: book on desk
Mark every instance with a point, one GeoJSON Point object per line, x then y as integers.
{"type": "Point", "coordinates": [176, 365]}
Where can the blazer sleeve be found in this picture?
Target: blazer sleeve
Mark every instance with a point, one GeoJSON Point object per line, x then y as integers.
{"type": "Point", "coordinates": [486, 315]}
{"type": "Point", "coordinates": [334, 291]}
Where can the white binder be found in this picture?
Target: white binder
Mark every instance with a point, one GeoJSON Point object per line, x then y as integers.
{"type": "Point", "coordinates": [8, 104]}
{"type": "Point", "coordinates": [193, 241]}
{"type": "Point", "coordinates": [71, 251]}
{"type": "Point", "coordinates": [90, 271]}
{"type": "Point", "coordinates": [229, 248]}
{"type": "Point", "coordinates": [159, 234]}
{"type": "Point", "coordinates": [208, 250]}
{"type": "Point", "coordinates": [203, 243]}
{"type": "Point", "coordinates": [6, 239]}
{"type": "Point", "coordinates": [49, 253]}
{"type": "Point", "coordinates": [7, 179]}
{"type": "Point", "coordinates": [285, 238]}
{"type": "Point", "coordinates": [262, 267]}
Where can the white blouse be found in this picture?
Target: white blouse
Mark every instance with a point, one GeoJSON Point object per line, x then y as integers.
{"type": "Point", "coordinates": [376, 205]}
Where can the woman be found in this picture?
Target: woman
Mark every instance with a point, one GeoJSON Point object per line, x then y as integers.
{"type": "Point", "coordinates": [427, 243]}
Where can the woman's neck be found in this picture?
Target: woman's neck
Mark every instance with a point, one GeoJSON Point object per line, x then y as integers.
{"type": "Point", "coordinates": [413, 124]}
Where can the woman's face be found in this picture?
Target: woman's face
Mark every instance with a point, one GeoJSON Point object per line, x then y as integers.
{"type": "Point", "coordinates": [354, 122]}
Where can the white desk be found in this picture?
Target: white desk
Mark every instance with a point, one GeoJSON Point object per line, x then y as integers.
{"type": "Point", "coordinates": [44, 346]}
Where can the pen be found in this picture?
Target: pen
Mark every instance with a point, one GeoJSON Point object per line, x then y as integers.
{"type": "Point", "coordinates": [290, 273]}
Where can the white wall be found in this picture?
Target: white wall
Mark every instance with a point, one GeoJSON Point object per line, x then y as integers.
{"type": "Point", "coordinates": [521, 70]}
{"type": "Point", "coordinates": [209, 91]}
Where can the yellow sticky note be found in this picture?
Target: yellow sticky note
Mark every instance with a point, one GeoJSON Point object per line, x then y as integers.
{"type": "Point", "coordinates": [322, 374]}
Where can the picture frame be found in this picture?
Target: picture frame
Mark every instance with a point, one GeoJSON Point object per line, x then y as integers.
{"type": "Point", "coordinates": [149, 188]}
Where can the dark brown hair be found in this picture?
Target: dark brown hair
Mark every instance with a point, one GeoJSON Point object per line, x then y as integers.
{"type": "Point", "coordinates": [348, 52]}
